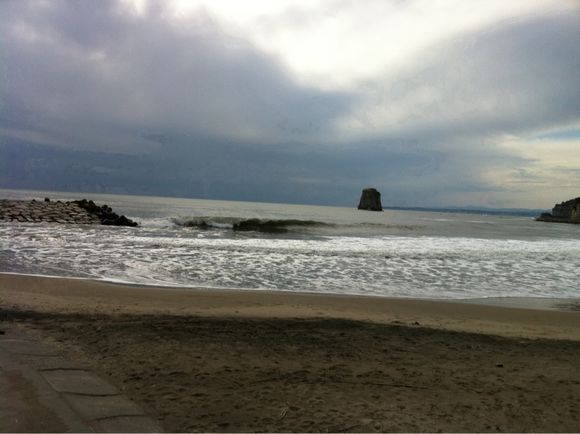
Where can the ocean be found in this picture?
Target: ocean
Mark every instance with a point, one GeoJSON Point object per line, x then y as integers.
{"type": "Point", "coordinates": [243, 245]}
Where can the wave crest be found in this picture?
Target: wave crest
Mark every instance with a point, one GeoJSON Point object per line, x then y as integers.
{"type": "Point", "coordinates": [248, 225]}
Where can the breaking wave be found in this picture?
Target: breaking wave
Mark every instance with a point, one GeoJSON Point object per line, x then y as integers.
{"type": "Point", "coordinates": [281, 226]}
{"type": "Point", "coordinates": [247, 225]}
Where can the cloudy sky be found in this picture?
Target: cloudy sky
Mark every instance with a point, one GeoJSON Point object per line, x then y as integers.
{"type": "Point", "coordinates": [433, 102]}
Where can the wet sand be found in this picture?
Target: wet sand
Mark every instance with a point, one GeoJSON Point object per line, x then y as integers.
{"type": "Point", "coordinates": [209, 360]}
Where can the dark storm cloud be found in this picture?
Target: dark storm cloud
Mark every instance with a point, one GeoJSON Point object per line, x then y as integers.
{"type": "Point", "coordinates": [97, 97]}
{"type": "Point", "coordinates": [92, 74]}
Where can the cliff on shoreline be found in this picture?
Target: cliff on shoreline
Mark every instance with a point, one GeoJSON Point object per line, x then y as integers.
{"type": "Point", "coordinates": [564, 212]}
{"type": "Point", "coordinates": [71, 212]}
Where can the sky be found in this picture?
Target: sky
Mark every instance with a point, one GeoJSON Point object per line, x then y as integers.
{"type": "Point", "coordinates": [432, 102]}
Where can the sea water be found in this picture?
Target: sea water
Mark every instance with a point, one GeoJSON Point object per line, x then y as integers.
{"type": "Point", "coordinates": [243, 245]}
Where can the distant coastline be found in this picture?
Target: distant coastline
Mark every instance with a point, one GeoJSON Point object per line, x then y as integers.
{"type": "Point", "coordinates": [469, 210]}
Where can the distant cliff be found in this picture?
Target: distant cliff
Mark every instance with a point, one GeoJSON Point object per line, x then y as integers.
{"type": "Point", "coordinates": [565, 212]}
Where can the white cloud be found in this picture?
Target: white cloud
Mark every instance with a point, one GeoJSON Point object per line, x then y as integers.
{"type": "Point", "coordinates": [520, 77]}
{"type": "Point", "coordinates": [550, 174]}
{"type": "Point", "coordinates": [549, 159]}
{"type": "Point", "coordinates": [341, 43]}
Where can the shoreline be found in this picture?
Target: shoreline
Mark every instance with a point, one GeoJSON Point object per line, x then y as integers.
{"type": "Point", "coordinates": [511, 317]}
{"type": "Point", "coordinates": [524, 302]}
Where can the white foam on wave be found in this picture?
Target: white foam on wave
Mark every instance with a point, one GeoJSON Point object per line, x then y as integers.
{"type": "Point", "coordinates": [431, 267]}
{"type": "Point", "coordinates": [154, 223]}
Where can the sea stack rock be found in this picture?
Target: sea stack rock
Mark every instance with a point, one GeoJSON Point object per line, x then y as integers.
{"type": "Point", "coordinates": [370, 200]}
{"type": "Point", "coordinates": [565, 212]}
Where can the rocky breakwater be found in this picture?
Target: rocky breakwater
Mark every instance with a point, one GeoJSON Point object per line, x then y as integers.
{"type": "Point", "coordinates": [72, 212]}
{"type": "Point", "coordinates": [565, 212]}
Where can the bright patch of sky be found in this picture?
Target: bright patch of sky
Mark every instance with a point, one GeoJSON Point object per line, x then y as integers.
{"type": "Point", "coordinates": [340, 44]}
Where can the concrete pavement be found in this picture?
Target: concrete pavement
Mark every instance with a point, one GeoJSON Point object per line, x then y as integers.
{"type": "Point", "coordinates": [40, 391]}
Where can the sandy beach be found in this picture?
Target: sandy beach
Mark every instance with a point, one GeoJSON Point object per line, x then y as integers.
{"type": "Point", "coordinates": [216, 360]}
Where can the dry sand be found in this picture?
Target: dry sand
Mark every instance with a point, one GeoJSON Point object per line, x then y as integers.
{"type": "Point", "coordinates": [207, 360]}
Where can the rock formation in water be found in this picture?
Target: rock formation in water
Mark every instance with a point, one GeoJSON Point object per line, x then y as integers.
{"type": "Point", "coordinates": [565, 212]}
{"type": "Point", "coordinates": [370, 200]}
{"type": "Point", "coordinates": [73, 212]}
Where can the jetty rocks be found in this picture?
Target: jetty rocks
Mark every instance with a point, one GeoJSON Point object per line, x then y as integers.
{"type": "Point", "coordinates": [370, 200]}
{"type": "Point", "coordinates": [565, 212]}
{"type": "Point", "coordinates": [84, 212]}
